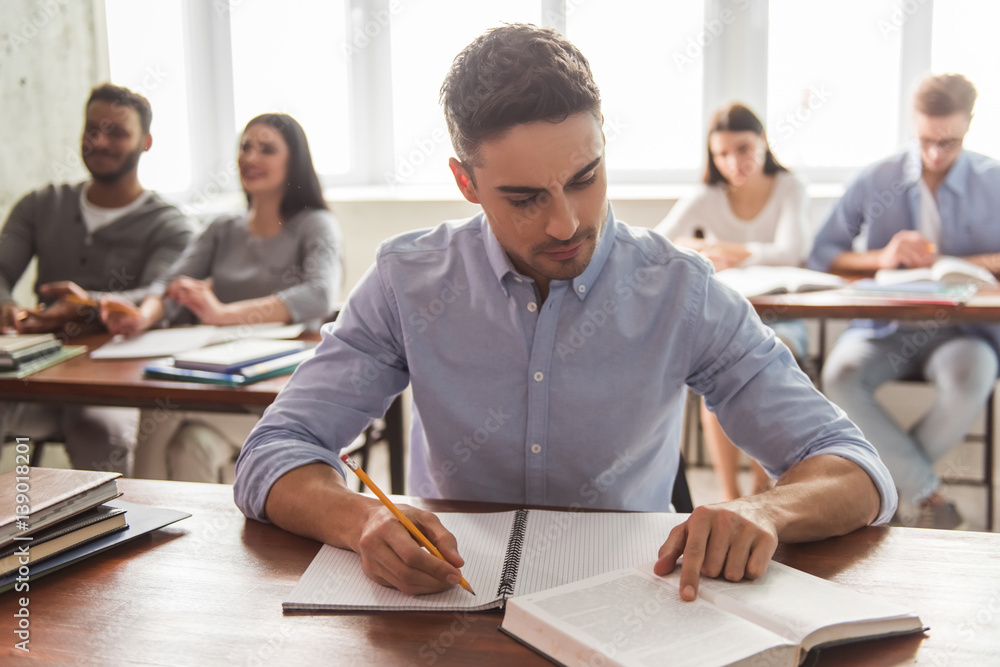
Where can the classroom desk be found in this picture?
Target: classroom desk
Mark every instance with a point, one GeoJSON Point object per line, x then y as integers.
{"type": "Point", "coordinates": [119, 382]}
{"type": "Point", "coordinates": [208, 590]}
{"type": "Point", "coordinates": [832, 304]}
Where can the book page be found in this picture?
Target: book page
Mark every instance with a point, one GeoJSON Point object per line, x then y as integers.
{"type": "Point", "coordinates": [335, 579]}
{"type": "Point", "coordinates": [794, 605]}
{"type": "Point", "coordinates": [560, 547]}
{"type": "Point", "coordinates": [156, 343]}
{"type": "Point", "coordinates": [753, 281]}
{"type": "Point", "coordinates": [632, 617]}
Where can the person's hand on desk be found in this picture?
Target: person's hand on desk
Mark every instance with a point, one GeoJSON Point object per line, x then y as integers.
{"type": "Point", "coordinates": [198, 297]}
{"type": "Point", "coordinates": [725, 255]}
{"type": "Point", "coordinates": [122, 318]}
{"type": "Point", "coordinates": [66, 308]}
{"type": "Point", "coordinates": [818, 497]}
{"type": "Point", "coordinates": [314, 501]}
{"type": "Point", "coordinates": [735, 539]}
{"type": "Point", "coordinates": [908, 249]}
{"type": "Point", "coordinates": [10, 314]}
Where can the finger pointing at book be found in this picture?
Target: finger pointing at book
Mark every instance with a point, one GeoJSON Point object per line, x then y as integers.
{"type": "Point", "coordinates": [734, 540]}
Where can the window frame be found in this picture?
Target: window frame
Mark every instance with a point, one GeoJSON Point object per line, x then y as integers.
{"type": "Point", "coordinates": [734, 67]}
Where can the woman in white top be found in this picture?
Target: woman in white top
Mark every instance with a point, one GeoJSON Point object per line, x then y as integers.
{"type": "Point", "coordinates": [751, 210]}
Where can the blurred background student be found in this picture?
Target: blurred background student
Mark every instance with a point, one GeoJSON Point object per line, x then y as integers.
{"type": "Point", "coordinates": [280, 261]}
{"type": "Point", "coordinates": [751, 210]}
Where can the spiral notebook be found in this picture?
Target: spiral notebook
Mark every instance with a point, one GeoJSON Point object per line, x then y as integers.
{"type": "Point", "coordinates": [506, 554]}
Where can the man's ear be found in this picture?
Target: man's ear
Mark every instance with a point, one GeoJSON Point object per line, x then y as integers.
{"type": "Point", "coordinates": [463, 180]}
{"type": "Point", "coordinates": [147, 143]}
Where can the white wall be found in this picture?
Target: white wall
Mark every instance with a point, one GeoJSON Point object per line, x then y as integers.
{"type": "Point", "coordinates": [52, 52]}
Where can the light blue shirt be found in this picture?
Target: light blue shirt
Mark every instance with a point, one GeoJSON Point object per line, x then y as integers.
{"type": "Point", "coordinates": [885, 199]}
{"type": "Point", "coordinates": [576, 401]}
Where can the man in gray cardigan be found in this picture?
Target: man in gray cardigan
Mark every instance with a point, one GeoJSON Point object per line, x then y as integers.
{"type": "Point", "coordinates": [104, 235]}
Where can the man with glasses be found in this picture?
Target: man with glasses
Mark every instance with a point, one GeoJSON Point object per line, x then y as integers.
{"type": "Point", "coordinates": [905, 211]}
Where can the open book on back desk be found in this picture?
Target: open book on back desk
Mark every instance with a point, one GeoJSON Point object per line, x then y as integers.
{"type": "Point", "coordinates": [633, 617]}
{"type": "Point", "coordinates": [946, 270]}
{"type": "Point", "coordinates": [754, 281]}
{"type": "Point", "coordinates": [506, 553]}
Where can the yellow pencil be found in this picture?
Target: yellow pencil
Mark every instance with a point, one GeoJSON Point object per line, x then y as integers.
{"type": "Point", "coordinates": [403, 519]}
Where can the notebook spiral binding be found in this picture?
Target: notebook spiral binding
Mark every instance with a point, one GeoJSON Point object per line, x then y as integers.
{"type": "Point", "coordinates": [512, 559]}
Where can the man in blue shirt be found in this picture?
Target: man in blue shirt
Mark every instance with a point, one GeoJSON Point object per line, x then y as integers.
{"type": "Point", "coordinates": [549, 348]}
{"type": "Point", "coordinates": [931, 200]}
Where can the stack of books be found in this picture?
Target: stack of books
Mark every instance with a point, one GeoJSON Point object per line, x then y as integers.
{"type": "Point", "coordinates": [52, 518]}
{"type": "Point", "coordinates": [236, 363]}
{"type": "Point", "coordinates": [24, 354]}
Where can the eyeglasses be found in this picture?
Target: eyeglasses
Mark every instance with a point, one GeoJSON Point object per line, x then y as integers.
{"type": "Point", "coordinates": [942, 145]}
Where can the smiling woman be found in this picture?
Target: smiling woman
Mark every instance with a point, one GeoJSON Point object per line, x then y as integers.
{"type": "Point", "coordinates": [278, 262]}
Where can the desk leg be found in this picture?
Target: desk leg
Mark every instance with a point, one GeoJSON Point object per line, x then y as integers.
{"type": "Point", "coordinates": [394, 438]}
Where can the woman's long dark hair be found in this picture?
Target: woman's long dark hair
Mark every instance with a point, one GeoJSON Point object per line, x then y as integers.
{"type": "Point", "coordinates": [737, 118]}
{"type": "Point", "coordinates": [302, 189]}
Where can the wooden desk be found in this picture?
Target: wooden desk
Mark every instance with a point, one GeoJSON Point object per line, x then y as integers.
{"type": "Point", "coordinates": [208, 590]}
{"type": "Point", "coordinates": [833, 304]}
{"type": "Point", "coordinates": [119, 382]}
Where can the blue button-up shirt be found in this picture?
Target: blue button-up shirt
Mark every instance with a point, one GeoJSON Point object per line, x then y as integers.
{"type": "Point", "coordinates": [885, 199]}
{"type": "Point", "coordinates": [574, 401]}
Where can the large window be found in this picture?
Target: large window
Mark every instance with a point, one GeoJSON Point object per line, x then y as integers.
{"type": "Point", "coordinates": [831, 79]}
{"type": "Point", "coordinates": [154, 63]}
{"type": "Point", "coordinates": [965, 41]}
{"type": "Point", "coordinates": [652, 86]}
{"type": "Point", "coordinates": [832, 82]}
{"type": "Point", "coordinates": [293, 60]}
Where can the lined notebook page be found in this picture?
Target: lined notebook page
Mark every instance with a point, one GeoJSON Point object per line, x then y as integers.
{"type": "Point", "coordinates": [335, 580]}
{"type": "Point", "coordinates": [563, 547]}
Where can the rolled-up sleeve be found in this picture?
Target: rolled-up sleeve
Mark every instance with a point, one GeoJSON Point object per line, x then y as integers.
{"type": "Point", "coordinates": [358, 370]}
{"type": "Point", "coordinates": [764, 402]}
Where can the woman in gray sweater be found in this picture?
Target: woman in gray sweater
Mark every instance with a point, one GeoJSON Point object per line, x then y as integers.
{"type": "Point", "coordinates": [278, 262]}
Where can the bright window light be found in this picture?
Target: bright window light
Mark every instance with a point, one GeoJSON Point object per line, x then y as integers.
{"type": "Point", "coordinates": [426, 37]}
{"type": "Point", "coordinates": [152, 62]}
{"type": "Point", "coordinates": [964, 41]}
{"type": "Point", "coordinates": [292, 59]}
{"type": "Point", "coordinates": [832, 82]}
{"type": "Point", "coordinates": [647, 61]}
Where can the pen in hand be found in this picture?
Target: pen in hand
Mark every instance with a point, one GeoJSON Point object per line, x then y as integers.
{"type": "Point", "coordinates": [405, 520]}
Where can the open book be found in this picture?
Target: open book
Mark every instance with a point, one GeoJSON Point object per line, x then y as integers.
{"type": "Point", "coordinates": [506, 553]}
{"type": "Point", "coordinates": [633, 617]}
{"type": "Point", "coordinates": [760, 280]}
{"type": "Point", "coordinates": [948, 270]}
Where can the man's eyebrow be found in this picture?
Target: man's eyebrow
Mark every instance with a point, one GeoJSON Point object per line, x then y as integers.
{"type": "Point", "coordinates": [529, 190]}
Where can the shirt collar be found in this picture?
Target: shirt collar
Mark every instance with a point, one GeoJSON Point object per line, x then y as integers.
{"type": "Point", "coordinates": [957, 176]}
{"type": "Point", "coordinates": [502, 266]}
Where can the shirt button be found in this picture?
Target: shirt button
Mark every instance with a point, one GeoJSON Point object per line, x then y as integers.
{"type": "Point", "coordinates": [532, 307]}
{"type": "Point", "coordinates": [518, 279]}
{"type": "Point", "coordinates": [536, 448]}
{"type": "Point", "coordinates": [539, 376]}
{"type": "Point", "coordinates": [581, 289]}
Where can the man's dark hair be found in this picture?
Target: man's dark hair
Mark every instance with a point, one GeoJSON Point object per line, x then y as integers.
{"type": "Point", "coordinates": [945, 94]}
{"type": "Point", "coordinates": [511, 75]}
{"type": "Point", "coordinates": [736, 117]}
{"type": "Point", "coordinates": [108, 92]}
{"type": "Point", "coordinates": [302, 189]}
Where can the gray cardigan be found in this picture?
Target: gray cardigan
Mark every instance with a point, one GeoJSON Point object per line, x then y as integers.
{"type": "Point", "coordinates": [301, 265]}
{"type": "Point", "coordinates": [124, 256]}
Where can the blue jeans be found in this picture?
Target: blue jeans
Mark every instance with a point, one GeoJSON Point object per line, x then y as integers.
{"type": "Point", "coordinates": [963, 370]}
